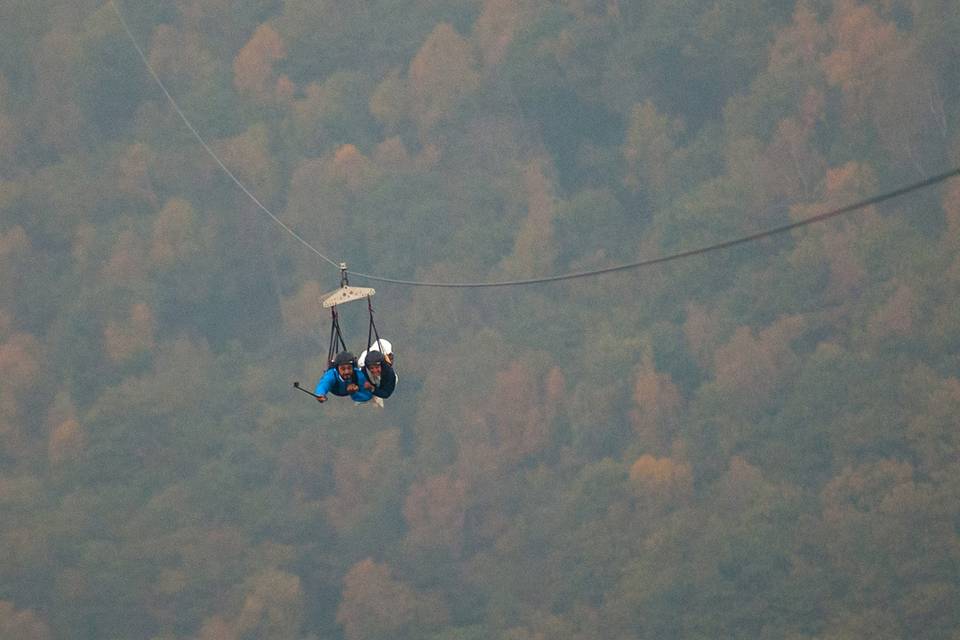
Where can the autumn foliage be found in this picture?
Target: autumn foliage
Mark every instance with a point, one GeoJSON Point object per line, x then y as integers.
{"type": "Point", "coordinates": [758, 441]}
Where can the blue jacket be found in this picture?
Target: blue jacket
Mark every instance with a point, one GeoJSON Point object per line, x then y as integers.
{"type": "Point", "coordinates": [331, 382]}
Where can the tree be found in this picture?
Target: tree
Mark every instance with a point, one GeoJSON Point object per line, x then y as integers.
{"type": "Point", "coordinates": [435, 511]}
{"type": "Point", "coordinates": [377, 606]}
{"type": "Point", "coordinates": [248, 156]}
{"type": "Point", "coordinates": [21, 624]}
{"type": "Point", "coordinates": [658, 406]}
{"type": "Point", "coordinates": [253, 68]}
{"type": "Point", "coordinates": [930, 434]}
{"type": "Point", "coordinates": [897, 317]}
{"type": "Point", "coordinates": [752, 365]}
{"type": "Point", "coordinates": [661, 482]}
{"type": "Point", "coordinates": [351, 167]}
{"type": "Point", "coordinates": [181, 59]}
{"type": "Point", "coordinates": [792, 164]}
{"type": "Point", "coordinates": [334, 113]}
{"type": "Point", "coordinates": [15, 249]}
{"type": "Point", "coordinates": [652, 152]}
{"type": "Point", "coordinates": [390, 102]}
{"type": "Point", "coordinates": [520, 423]}
{"type": "Point", "coordinates": [273, 607]}
{"type": "Point", "coordinates": [497, 26]}
{"type": "Point", "coordinates": [534, 250]}
{"type": "Point", "coordinates": [832, 245]}
{"type": "Point", "coordinates": [67, 437]}
{"type": "Point", "coordinates": [132, 336]}
{"type": "Point", "coordinates": [177, 238]}
{"type": "Point", "coordinates": [366, 484]}
{"type": "Point", "coordinates": [442, 74]}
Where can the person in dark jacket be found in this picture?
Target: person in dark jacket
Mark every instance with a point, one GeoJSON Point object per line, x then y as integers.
{"type": "Point", "coordinates": [381, 376]}
{"type": "Point", "coordinates": [343, 378]}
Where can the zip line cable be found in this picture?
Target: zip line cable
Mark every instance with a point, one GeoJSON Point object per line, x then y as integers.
{"type": "Point", "coordinates": [889, 195]}
{"type": "Point", "coordinates": [203, 143]}
{"type": "Point", "coordinates": [685, 254]}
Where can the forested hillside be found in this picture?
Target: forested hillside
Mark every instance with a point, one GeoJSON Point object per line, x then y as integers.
{"type": "Point", "coordinates": [759, 442]}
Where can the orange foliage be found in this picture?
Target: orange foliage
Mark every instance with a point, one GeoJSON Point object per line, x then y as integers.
{"type": "Point", "coordinates": [375, 606]}
{"type": "Point", "coordinates": [834, 243]}
{"type": "Point", "coordinates": [442, 73]}
{"type": "Point", "coordinates": [66, 441]}
{"type": "Point", "coordinates": [497, 25]}
{"type": "Point", "coordinates": [933, 433]}
{"type": "Point", "coordinates": [126, 265]}
{"type": "Point", "coordinates": [248, 155]}
{"type": "Point", "coordinates": [123, 341]}
{"type": "Point", "coordinates": [174, 233]}
{"type": "Point", "coordinates": [131, 174]}
{"type": "Point", "coordinates": [21, 360]}
{"type": "Point", "coordinates": [390, 102]}
{"type": "Point", "coordinates": [435, 510]}
{"type": "Point", "coordinates": [883, 78]}
{"type": "Point", "coordinates": [351, 167]}
{"type": "Point", "coordinates": [896, 316]}
{"type": "Point", "coordinates": [359, 480]}
{"type": "Point", "coordinates": [862, 489]}
{"type": "Point", "coordinates": [863, 41]}
{"type": "Point", "coordinates": [517, 422]}
{"type": "Point", "coordinates": [21, 624]}
{"type": "Point", "coordinates": [751, 364]}
{"type": "Point", "coordinates": [216, 628]}
{"type": "Point", "coordinates": [742, 479]}
{"type": "Point", "coordinates": [792, 165]}
{"type": "Point", "coordinates": [14, 243]}
{"type": "Point", "coordinates": [253, 73]}
{"type": "Point", "coordinates": [392, 154]}
{"type": "Point", "coordinates": [534, 249]}
{"type": "Point", "coordinates": [661, 479]}
{"type": "Point", "coordinates": [272, 608]}
{"type": "Point", "coordinates": [657, 404]}
{"type": "Point", "coordinates": [650, 147]}
{"type": "Point", "coordinates": [800, 44]}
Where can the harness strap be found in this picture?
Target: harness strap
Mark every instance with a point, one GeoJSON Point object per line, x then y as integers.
{"type": "Point", "coordinates": [336, 338]}
{"type": "Point", "coordinates": [372, 329]}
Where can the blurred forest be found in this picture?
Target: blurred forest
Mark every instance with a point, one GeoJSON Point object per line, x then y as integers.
{"type": "Point", "coordinates": [761, 442]}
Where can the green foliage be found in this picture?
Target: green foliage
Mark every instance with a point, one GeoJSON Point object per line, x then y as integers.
{"type": "Point", "coordinates": [759, 442]}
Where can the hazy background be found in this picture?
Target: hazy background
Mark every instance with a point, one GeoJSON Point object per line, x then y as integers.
{"type": "Point", "coordinates": [756, 443]}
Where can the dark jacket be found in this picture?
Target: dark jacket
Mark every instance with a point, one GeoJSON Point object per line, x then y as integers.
{"type": "Point", "coordinates": [388, 380]}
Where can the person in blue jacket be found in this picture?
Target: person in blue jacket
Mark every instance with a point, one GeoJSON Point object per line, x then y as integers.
{"type": "Point", "coordinates": [343, 378]}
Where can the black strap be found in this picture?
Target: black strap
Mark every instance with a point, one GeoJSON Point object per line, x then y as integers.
{"type": "Point", "coordinates": [372, 329]}
{"type": "Point", "coordinates": [336, 338]}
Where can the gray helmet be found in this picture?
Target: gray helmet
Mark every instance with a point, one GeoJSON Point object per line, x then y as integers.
{"type": "Point", "coordinates": [344, 357]}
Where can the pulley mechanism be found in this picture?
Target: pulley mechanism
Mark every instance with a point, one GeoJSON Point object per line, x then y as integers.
{"type": "Point", "coordinates": [345, 293]}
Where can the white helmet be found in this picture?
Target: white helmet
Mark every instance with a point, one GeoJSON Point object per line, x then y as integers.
{"type": "Point", "coordinates": [381, 345]}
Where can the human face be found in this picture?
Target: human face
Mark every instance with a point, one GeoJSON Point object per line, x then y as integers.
{"type": "Point", "coordinates": [345, 370]}
{"type": "Point", "coordinates": [374, 368]}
